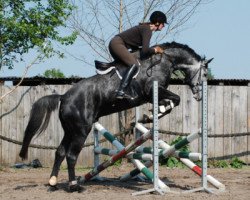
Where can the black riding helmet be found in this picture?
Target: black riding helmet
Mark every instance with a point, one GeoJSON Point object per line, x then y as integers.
{"type": "Point", "coordinates": [158, 17]}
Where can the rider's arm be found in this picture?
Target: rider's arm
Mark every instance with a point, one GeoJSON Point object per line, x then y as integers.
{"type": "Point", "coordinates": [146, 49]}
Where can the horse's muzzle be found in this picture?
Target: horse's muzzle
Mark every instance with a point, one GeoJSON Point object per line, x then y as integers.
{"type": "Point", "coordinates": [197, 93]}
{"type": "Point", "coordinates": [197, 97]}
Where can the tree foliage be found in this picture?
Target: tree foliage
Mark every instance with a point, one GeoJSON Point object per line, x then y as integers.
{"type": "Point", "coordinates": [26, 24]}
{"type": "Point", "coordinates": [53, 73]}
{"type": "Point", "coordinates": [180, 75]}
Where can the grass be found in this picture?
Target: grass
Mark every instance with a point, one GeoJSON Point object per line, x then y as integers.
{"type": "Point", "coordinates": [173, 162]}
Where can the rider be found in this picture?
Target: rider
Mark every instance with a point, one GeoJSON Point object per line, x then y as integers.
{"type": "Point", "coordinates": [133, 38]}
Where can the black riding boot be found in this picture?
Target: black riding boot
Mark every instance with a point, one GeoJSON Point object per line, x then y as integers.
{"type": "Point", "coordinates": [126, 81]}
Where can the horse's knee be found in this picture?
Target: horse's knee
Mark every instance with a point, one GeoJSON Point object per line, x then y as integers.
{"type": "Point", "coordinates": [60, 152]}
{"type": "Point", "coordinates": [73, 153]}
{"type": "Point", "coordinates": [71, 159]}
{"type": "Point", "coordinates": [167, 103]}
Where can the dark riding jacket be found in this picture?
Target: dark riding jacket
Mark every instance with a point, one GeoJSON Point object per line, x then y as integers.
{"type": "Point", "coordinates": [138, 36]}
{"type": "Point", "coordinates": [133, 38]}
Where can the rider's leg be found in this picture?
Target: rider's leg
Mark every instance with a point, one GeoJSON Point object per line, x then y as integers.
{"type": "Point", "coordinates": [126, 81]}
{"type": "Point", "coordinates": [119, 51]}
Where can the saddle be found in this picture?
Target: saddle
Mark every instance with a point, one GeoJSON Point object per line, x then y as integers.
{"type": "Point", "coordinates": [120, 68]}
{"type": "Point", "coordinates": [103, 66]}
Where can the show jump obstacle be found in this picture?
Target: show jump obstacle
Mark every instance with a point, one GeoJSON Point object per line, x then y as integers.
{"type": "Point", "coordinates": [137, 153]}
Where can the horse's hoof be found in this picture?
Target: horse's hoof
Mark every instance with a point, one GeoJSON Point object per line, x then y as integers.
{"type": "Point", "coordinates": [76, 188]}
{"type": "Point", "coordinates": [53, 181]}
{"type": "Point", "coordinates": [52, 188]}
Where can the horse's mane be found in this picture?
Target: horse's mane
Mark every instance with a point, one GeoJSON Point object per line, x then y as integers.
{"type": "Point", "coordinates": [181, 46]}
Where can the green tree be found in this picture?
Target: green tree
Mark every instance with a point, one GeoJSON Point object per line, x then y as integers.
{"type": "Point", "coordinates": [180, 75]}
{"type": "Point", "coordinates": [28, 24]}
{"type": "Point", "coordinates": [53, 73]}
{"type": "Point", "coordinates": [210, 75]}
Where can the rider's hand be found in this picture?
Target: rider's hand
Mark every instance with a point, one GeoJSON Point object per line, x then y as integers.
{"type": "Point", "coordinates": [158, 49]}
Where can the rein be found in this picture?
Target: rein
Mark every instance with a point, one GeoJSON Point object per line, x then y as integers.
{"type": "Point", "coordinates": [152, 65]}
{"type": "Point", "coordinates": [158, 62]}
{"type": "Point", "coordinates": [191, 78]}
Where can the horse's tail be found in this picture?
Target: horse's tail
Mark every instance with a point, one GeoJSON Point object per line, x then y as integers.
{"type": "Point", "coordinates": [39, 120]}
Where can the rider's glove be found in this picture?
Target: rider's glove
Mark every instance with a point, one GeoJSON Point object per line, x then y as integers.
{"type": "Point", "coordinates": [158, 49]}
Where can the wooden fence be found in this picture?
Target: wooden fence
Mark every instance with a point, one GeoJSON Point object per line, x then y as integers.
{"type": "Point", "coordinates": [228, 113]}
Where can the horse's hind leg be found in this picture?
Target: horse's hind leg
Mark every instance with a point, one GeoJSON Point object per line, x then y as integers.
{"type": "Point", "coordinates": [59, 157]}
{"type": "Point", "coordinates": [72, 154]}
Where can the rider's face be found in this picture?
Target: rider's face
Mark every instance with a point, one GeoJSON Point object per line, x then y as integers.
{"type": "Point", "coordinates": [160, 27]}
{"type": "Point", "coordinates": [157, 27]}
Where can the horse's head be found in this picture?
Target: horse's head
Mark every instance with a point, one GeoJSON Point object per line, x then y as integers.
{"type": "Point", "coordinates": [185, 59]}
{"type": "Point", "coordinates": [195, 75]}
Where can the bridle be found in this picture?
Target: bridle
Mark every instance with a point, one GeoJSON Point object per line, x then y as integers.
{"type": "Point", "coordinates": [190, 79]}
{"type": "Point", "coordinates": [173, 66]}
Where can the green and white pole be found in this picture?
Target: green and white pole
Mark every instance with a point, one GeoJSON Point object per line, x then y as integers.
{"type": "Point", "coordinates": [140, 156]}
{"type": "Point", "coordinates": [196, 168]}
{"type": "Point", "coordinates": [108, 136]}
{"type": "Point", "coordinates": [105, 151]}
{"type": "Point", "coordinates": [126, 151]}
{"type": "Point", "coordinates": [118, 156]}
{"type": "Point", "coordinates": [180, 144]}
{"type": "Point", "coordinates": [170, 150]}
{"type": "Point", "coordinates": [143, 169]}
{"type": "Point", "coordinates": [178, 154]}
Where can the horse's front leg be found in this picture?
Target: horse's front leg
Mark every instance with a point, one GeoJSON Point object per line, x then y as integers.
{"type": "Point", "coordinates": [167, 101]}
{"type": "Point", "coordinates": [168, 98]}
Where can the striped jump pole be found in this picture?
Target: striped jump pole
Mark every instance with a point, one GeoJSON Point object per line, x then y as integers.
{"type": "Point", "coordinates": [178, 154]}
{"type": "Point", "coordinates": [147, 155]}
{"type": "Point", "coordinates": [140, 156]}
{"type": "Point", "coordinates": [169, 151]}
{"type": "Point", "coordinates": [118, 145]}
{"type": "Point", "coordinates": [108, 136]}
{"type": "Point", "coordinates": [185, 161]}
{"type": "Point", "coordinates": [142, 149]}
{"type": "Point", "coordinates": [135, 172]}
{"type": "Point", "coordinates": [105, 151]}
{"type": "Point", "coordinates": [142, 168]}
{"type": "Point", "coordinates": [121, 154]}
{"type": "Point", "coordinates": [98, 128]}
{"type": "Point", "coordinates": [166, 152]}
{"type": "Point", "coordinates": [189, 155]}
{"type": "Point", "coordinates": [198, 171]}
{"type": "Point", "coordinates": [195, 168]}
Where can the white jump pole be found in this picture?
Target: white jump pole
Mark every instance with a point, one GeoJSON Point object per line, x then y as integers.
{"type": "Point", "coordinates": [204, 142]}
{"type": "Point", "coordinates": [156, 188]}
{"type": "Point", "coordinates": [204, 135]}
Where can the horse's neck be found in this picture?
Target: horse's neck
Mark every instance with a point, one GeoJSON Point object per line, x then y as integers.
{"type": "Point", "coordinates": [182, 60]}
{"type": "Point", "coordinates": [190, 67]}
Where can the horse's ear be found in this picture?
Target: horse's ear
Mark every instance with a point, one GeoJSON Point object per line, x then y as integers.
{"type": "Point", "coordinates": [208, 61]}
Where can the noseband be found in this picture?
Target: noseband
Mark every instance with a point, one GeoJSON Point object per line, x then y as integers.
{"type": "Point", "coordinates": [189, 80]}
